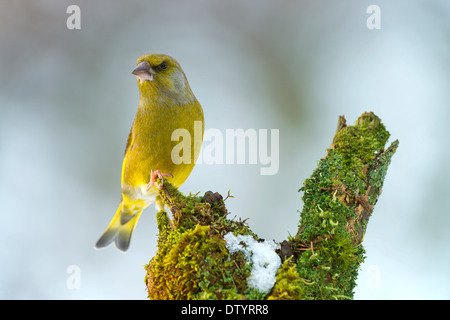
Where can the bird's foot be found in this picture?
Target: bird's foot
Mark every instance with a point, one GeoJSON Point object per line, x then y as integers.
{"type": "Point", "coordinates": [157, 174]}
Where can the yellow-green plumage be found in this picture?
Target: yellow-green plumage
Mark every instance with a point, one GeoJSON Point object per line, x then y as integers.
{"type": "Point", "coordinates": [166, 104]}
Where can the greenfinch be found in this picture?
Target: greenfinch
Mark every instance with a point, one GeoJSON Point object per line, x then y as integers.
{"type": "Point", "coordinates": [166, 104]}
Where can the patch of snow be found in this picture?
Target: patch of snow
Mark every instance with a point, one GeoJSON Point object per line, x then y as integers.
{"type": "Point", "coordinates": [265, 262]}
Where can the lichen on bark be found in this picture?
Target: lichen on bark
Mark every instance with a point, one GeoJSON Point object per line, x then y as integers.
{"type": "Point", "coordinates": [320, 262]}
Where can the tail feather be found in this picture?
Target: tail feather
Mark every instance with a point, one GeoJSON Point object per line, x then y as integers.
{"type": "Point", "coordinates": [120, 228]}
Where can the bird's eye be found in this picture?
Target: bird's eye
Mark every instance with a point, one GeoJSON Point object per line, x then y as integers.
{"type": "Point", "coordinates": [162, 66]}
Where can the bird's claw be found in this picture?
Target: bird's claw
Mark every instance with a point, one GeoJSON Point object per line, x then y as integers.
{"type": "Point", "coordinates": [157, 174]}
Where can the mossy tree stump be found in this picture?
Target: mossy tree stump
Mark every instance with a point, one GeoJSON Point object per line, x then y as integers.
{"type": "Point", "coordinates": [320, 262]}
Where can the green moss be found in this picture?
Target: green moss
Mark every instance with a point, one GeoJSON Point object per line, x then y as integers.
{"type": "Point", "coordinates": [288, 285]}
{"type": "Point", "coordinates": [190, 264]}
{"type": "Point", "coordinates": [321, 260]}
{"type": "Point", "coordinates": [338, 201]}
{"type": "Point", "coordinates": [192, 261]}
{"type": "Point", "coordinates": [323, 213]}
{"type": "Point", "coordinates": [358, 144]}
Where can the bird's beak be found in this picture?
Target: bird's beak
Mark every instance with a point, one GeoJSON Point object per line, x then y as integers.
{"type": "Point", "coordinates": [144, 71]}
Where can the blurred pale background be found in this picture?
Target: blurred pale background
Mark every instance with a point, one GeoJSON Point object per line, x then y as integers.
{"type": "Point", "coordinates": [67, 100]}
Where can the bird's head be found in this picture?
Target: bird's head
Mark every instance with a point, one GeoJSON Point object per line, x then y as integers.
{"type": "Point", "coordinates": [159, 74]}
